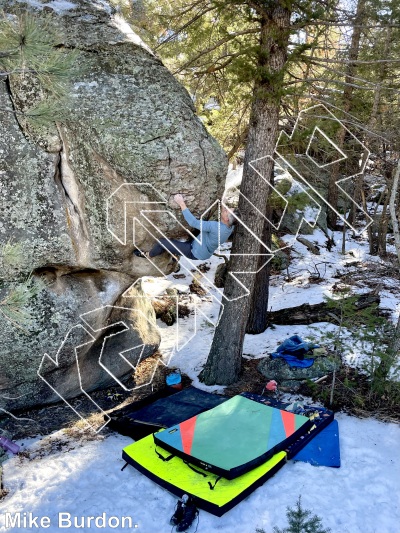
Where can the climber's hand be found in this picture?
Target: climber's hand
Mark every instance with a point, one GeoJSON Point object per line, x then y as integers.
{"type": "Point", "coordinates": [179, 200]}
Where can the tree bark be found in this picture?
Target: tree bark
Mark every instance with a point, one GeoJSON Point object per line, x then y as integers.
{"type": "Point", "coordinates": [377, 241]}
{"type": "Point", "coordinates": [393, 213]}
{"type": "Point", "coordinates": [225, 359]}
{"type": "Point", "coordinates": [347, 105]}
{"type": "Point", "coordinates": [257, 321]}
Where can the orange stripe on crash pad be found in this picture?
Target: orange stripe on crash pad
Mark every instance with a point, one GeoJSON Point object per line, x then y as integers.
{"type": "Point", "coordinates": [288, 420]}
{"type": "Point", "coordinates": [186, 429]}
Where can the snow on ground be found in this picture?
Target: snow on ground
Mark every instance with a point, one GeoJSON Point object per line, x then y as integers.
{"type": "Point", "coordinates": [189, 345]}
{"type": "Point", "coordinates": [234, 177]}
{"type": "Point", "coordinates": [85, 479]}
{"type": "Point", "coordinates": [362, 496]}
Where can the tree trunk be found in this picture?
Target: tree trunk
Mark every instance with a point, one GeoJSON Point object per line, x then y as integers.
{"type": "Point", "coordinates": [382, 228]}
{"type": "Point", "coordinates": [257, 321]}
{"type": "Point", "coordinates": [374, 237]}
{"type": "Point", "coordinates": [393, 213]}
{"type": "Point", "coordinates": [225, 359]}
{"type": "Point", "coordinates": [347, 105]}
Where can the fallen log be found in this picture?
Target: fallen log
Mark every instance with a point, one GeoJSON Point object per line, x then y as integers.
{"type": "Point", "coordinates": [313, 248]}
{"type": "Point", "coordinates": [321, 312]}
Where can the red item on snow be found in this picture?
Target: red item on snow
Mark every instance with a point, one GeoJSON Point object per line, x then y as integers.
{"type": "Point", "coordinates": [271, 385]}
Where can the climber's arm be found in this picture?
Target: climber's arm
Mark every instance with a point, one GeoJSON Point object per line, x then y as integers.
{"type": "Point", "coordinates": [194, 222]}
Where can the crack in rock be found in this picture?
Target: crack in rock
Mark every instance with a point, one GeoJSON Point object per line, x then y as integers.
{"type": "Point", "coordinates": [76, 219]}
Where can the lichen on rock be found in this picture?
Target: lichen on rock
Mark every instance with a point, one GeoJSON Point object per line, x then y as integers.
{"type": "Point", "coordinates": [128, 135]}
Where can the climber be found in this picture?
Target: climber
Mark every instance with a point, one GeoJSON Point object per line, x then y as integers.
{"type": "Point", "coordinates": [212, 234]}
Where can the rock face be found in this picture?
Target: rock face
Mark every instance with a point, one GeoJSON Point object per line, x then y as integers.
{"type": "Point", "coordinates": [69, 197]}
{"type": "Point", "coordinates": [291, 377]}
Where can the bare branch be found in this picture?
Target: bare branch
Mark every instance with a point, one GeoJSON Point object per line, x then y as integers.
{"type": "Point", "coordinates": [219, 43]}
{"type": "Point", "coordinates": [189, 8]}
{"type": "Point", "coordinates": [214, 68]}
{"type": "Point", "coordinates": [349, 25]}
{"type": "Point", "coordinates": [238, 143]}
{"type": "Point", "coordinates": [351, 121]}
{"type": "Point", "coordinates": [186, 25]}
{"type": "Point", "coordinates": [352, 61]}
{"type": "Point", "coordinates": [339, 82]}
{"type": "Point", "coordinates": [344, 74]}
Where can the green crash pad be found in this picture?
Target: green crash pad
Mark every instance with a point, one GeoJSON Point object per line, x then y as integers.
{"type": "Point", "coordinates": [210, 492]}
{"type": "Point", "coordinates": [233, 437]}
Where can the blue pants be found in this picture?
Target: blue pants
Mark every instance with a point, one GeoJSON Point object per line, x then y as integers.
{"type": "Point", "coordinates": [174, 246]}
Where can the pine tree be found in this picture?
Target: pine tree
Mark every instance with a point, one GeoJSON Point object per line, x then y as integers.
{"type": "Point", "coordinates": [301, 521]}
{"type": "Point", "coordinates": [225, 52]}
{"type": "Point", "coordinates": [29, 56]}
{"type": "Point", "coordinates": [223, 365]}
{"type": "Point", "coordinates": [221, 45]}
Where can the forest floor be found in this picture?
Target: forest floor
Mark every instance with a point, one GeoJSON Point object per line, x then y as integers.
{"type": "Point", "coordinates": [357, 271]}
{"type": "Point", "coordinates": [64, 466]}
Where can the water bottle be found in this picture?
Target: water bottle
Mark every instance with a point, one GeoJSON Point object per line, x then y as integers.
{"type": "Point", "coordinates": [9, 445]}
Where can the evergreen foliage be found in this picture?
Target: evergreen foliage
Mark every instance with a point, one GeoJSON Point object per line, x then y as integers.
{"type": "Point", "coordinates": [16, 296]}
{"type": "Point", "coordinates": [363, 330]}
{"type": "Point", "coordinates": [212, 47]}
{"type": "Point", "coordinates": [302, 521]}
{"type": "Point", "coordinates": [28, 55]}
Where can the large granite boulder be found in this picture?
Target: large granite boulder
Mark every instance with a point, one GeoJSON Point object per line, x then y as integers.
{"type": "Point", "coordinates": [69, 195]}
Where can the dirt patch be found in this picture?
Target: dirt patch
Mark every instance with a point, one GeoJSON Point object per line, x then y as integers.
{"type": "Point", "coordinates": [149, 377]}
{"type": "Point", "coordinates": [3, 492]}
{"type": "Point", "coordinates": [166, 310]}
{"type": "Point", "coordinates": [197, 288]}
{"type": "Point", "coordinates": [251, 380]}
{"type": "Point", "coordinates": [353, 394]}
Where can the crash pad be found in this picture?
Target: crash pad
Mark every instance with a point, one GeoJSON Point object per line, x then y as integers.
{"type": "Point", "coordinates": [323, 449]}
{"type": "Point", "coordinates": [233, 437]}
{"type": "Point", "coordinates": [210, 492]}
{"type": "Point", "coordinates": [320, 417]}
{"type": "Point", "coordinates": [143, 418]}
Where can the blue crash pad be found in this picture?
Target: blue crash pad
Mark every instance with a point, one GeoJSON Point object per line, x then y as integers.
{"type": "Point", "coordinates": [323, 449]}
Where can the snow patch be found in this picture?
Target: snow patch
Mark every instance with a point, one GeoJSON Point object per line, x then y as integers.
{"type": "Point", "coordinates": [234, 177]}
{"type": "Point", "coordinates": [102, 5]}
{"type": "Point", "coordinates": [33, 3]}
{"type": "Point", "coordinates": [120, 23]}
{"type": "Point", "coordinates": [59, 6]}
{"type": "Point", "coordinates": [87, 481]}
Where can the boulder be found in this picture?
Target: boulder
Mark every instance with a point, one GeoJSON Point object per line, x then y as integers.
{"type": "Point", "coordinates": [129, 137]}
{"type": "Point", "coordinates": [291, 377]}
{"type": "Point", "coordinates": [304, 209]}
